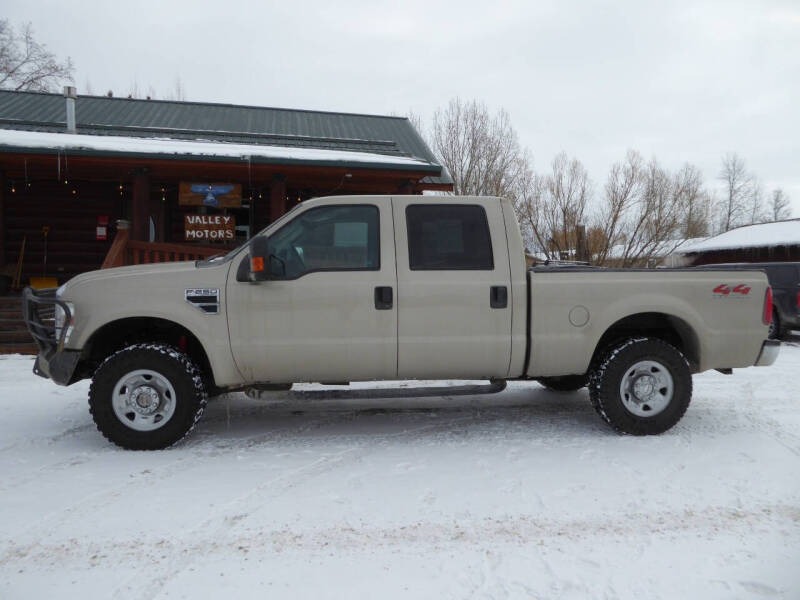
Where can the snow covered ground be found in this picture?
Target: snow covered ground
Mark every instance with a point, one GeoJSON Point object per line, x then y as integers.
{"type": "Point", "coordinates": [524, 494]}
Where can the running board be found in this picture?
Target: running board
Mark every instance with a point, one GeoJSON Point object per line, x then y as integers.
{"type": "Point", "coordinates": [492, 387]}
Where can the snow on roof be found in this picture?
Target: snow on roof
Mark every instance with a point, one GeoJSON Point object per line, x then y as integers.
{"type": "Point", "coordinates": [200, 148]}
{"type": "Point", "coordinates": [780, 233]}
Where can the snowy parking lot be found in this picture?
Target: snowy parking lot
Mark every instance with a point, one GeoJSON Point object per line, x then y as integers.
{"type": "Point", "coordinates": [522, 494]}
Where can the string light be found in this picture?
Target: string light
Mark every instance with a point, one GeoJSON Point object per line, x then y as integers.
{"type": "Point", "coordinates": [13, 189]}
{"type": "Point", "coordinates": [74, 191]}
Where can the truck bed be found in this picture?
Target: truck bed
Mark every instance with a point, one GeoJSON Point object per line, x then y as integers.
{"type": "Point", "coordinates": [718, 323]}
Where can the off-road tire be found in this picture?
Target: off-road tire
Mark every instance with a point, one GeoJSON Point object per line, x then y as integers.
{"type": "Point", "coordinates": [568, 383]}
{"type": "Point", "coordinates": [171, 363]}
{"type": "Point", "coordinates": [606, 378]}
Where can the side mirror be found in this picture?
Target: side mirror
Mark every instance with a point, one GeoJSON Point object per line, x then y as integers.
{"type": "Point", "coordinates": [259, 259]}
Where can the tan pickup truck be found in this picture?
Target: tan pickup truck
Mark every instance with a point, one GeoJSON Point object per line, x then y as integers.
{"type": "Point", "coordinates": [363, 288]}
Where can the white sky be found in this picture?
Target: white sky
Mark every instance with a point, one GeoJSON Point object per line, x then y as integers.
{"type": "Point", "coordinates": [682, 81]}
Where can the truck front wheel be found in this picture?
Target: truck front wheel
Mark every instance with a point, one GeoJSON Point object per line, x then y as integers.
{"type": "Point", "coordinates": [147, 396]}
{"type": "Point", "coordinates": [641, 386]}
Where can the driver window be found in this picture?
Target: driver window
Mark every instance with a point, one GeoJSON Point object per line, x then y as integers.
{"type": "Point", "coordinates": [328, 238]}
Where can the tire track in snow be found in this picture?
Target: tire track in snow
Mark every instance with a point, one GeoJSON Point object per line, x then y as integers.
{"type": "Point", "coordinates": [243, 506]}
{"type": "Point", "coordinates": [186, 461]}
{"type": "Point", "coordinates": [194, 457]}
{"type": "Point", "coordinates": [519, 530]}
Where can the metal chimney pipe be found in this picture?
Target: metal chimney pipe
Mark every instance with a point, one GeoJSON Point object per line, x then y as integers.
{"type": "Point", "coordinates": [70, 93]}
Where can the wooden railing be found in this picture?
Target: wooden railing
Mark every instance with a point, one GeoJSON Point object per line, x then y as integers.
{"type": "Point", "coordinates": [125, 251]}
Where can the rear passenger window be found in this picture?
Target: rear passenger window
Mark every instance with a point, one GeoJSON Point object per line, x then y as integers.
{"type": "Point", "coordinates": [448, 237]}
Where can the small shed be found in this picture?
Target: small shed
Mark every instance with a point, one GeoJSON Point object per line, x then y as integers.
{"type": "Point", "coordinates": [763, 242]}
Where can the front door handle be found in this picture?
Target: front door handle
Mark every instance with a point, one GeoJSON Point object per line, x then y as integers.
{"type": "Point", "coordinates": [384, 298]}
{"type": "Point", "coordinates": [498, 296]}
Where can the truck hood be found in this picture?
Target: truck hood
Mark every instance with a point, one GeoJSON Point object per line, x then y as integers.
{"type": "Point", "coordinates": [147, 273]}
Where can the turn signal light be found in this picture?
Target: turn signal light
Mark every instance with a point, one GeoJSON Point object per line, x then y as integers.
{"type": "Point", "coordinates": [257, 264]}
{"type": "Point", "coordinates": [767, 318]}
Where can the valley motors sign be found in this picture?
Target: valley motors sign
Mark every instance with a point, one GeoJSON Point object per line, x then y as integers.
{"type": "Point", "coordinates": [209, 228]}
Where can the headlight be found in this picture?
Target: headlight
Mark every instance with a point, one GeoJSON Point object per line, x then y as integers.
{"type": "Point", "coordinates": [60, 318]}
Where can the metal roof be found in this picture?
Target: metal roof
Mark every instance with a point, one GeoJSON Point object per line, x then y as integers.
{"type": "Point", "coordinates": [101, 115]}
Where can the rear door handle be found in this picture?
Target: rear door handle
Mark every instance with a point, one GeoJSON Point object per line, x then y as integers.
{"type": "Point", "coordinates": [498, 296]}
{"type": "Point", "coordinates": [384, 298]}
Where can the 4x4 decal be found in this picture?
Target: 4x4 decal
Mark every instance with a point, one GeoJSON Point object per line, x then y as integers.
{"type": "Point", "coordinates": [725, 290]}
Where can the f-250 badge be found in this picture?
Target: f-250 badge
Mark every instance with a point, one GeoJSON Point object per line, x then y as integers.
{"type": "Point", "coordinates": [206, 299]}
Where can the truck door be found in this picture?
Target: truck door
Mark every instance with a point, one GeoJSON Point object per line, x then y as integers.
{"type": "Point", "coordinates": [453, 279]}
{"type": "Point", "coordinates": [329, 312]}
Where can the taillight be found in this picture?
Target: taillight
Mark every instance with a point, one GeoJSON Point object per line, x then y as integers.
{"type": "Point", "coordinates": [767, 318]}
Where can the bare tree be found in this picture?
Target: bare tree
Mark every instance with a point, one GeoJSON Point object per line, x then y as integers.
{"type": "Point", "coordinates": [755, 204]}
{"type": "Point", "coordinates": [529, 205]}
{"type": "Point", "coordinates": [178, 91]}
{"type": "Point", "coordinates": [779, 207]}
{"type": "Point", "coordinates": [738, 190]}
{"type": "Point", "coordinates": [25, 64]}
{"type": "Point", "coordinates": [481, 151]}
{"type": "Point", "coordinates": [567, 190]}
{"type": "Point", "coordinates": [550, 207]}
{"type": "Point", "coordinates": [622, 192]}
{"type": "Point", "coordinates": [133, 90]}
{"type": "Point", "coordinates": [645, 210]}
{"type": "Point", "coordinates": [695, 201]}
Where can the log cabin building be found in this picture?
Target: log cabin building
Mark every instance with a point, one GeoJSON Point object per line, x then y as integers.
{"type": "Point", "coordinates": [72, 167]}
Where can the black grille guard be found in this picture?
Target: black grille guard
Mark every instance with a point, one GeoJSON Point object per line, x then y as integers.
{"type": "Point", "coordinates": [38, 311]}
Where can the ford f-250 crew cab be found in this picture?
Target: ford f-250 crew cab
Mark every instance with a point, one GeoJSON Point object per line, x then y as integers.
{"type": "Point", "coordinates": [363, 288]}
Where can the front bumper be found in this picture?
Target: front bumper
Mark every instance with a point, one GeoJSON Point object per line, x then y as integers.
{"type": "Point", "coordinates": [769, 353]}
{"type": "Point", "coordinates": [54, 361]}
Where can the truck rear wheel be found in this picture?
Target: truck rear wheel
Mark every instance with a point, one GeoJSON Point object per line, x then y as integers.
{"type": "Point", "coordinates": [147, 396]}
{"type": "Point", "coordinates": [642, 386]}
{"type": "Point", "coordinates": [567, 383]}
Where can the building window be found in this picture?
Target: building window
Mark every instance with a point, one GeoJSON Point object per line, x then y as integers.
{"type": "Point", "coordinates": [448, 237]}
{"type": "Point", "coordinates": [328, 238]}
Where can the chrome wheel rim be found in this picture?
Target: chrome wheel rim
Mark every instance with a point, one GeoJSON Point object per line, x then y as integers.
{"type": "Point", "coordinates": [646, 388]}
{"type": "Point", "coordinates": [143, 400]}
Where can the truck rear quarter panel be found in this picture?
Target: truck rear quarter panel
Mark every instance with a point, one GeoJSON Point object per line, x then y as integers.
{"type": "Point", "coordinates": [724, 325]}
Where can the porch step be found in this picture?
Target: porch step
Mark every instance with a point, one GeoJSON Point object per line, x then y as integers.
{"type": "Point", "coordinates": [11, 303]}
{"type": "Point", "coordinates": [14, 336]}
{"type": "Point", "coordinates": [10, 314]}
